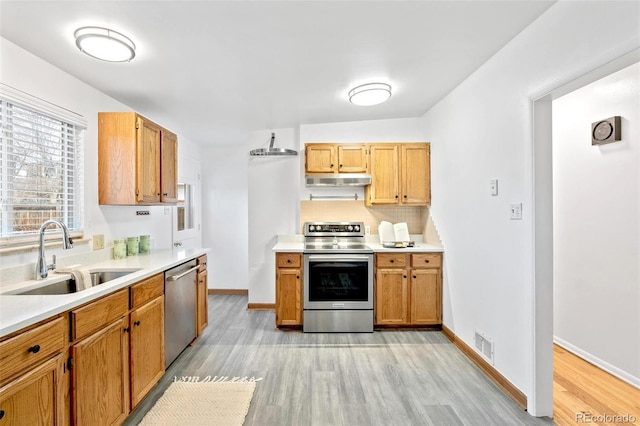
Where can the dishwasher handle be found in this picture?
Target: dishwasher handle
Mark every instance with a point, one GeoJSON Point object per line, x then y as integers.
{"type": "Point", "coordinates": [177, 277]}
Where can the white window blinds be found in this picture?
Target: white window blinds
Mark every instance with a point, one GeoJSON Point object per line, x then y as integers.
{"type": "Point", "coordinates": [40, 170]}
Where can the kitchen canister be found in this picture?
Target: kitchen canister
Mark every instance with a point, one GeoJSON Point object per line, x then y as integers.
{"type": "Point", "coordinates": [144, 244]}
{"type": "Point", "coordinates": [119, 249]}
{"type": "Point", "coordinates": [132, 245]}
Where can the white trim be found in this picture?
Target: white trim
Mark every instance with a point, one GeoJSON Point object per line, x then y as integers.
{"type": "Point", "coordinates": [601, 364]}
{"type": "Point", "coordinates": [20, 97]}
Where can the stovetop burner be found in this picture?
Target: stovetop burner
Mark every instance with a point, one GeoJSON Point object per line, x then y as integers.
{"type": "Point", "coordinates": [335, 237]}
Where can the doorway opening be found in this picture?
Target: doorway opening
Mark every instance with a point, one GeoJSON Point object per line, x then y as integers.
{"type": "Point", "coordinates": [541, 403]}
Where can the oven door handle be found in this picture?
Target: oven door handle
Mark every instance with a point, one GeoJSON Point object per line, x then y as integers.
{"type": "Point", "coordinates": [338, 257]}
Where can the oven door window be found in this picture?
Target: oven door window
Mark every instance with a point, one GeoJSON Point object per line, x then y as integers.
{"type": "Point", "coordinates": [338, 281]}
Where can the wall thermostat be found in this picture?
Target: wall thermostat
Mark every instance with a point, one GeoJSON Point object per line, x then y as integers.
{"type": "Point", "coordinates": [605, 131]}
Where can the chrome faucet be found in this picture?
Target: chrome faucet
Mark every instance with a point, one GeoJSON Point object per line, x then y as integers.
{"type": "Point", "coordinates": [42, 267]}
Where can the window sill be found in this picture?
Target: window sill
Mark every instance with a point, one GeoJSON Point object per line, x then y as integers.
{"type": "Point", "coordinates": [33, 245]}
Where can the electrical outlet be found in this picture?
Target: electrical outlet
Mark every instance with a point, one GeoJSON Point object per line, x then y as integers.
{"type": "Point", "coordinates": [493, 187]}
{"type": "Point", "coordinates": [98, 242]}
{"type": "Point", "coordinates": [367, 230]}
{"type": "Point", "coordinates": [515, 211]}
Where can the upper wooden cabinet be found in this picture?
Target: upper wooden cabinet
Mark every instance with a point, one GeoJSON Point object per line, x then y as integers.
{"type": "Point", "coordinates": [137, 160]}
{"type": "Point", "coordinates": [400, 174]}
{"type": "Point", "coordinates": [335, 158]}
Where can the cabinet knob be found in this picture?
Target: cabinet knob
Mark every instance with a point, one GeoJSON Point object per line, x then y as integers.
{"type": "Point", "coordinates": [414, 277]}
{"type": "Point", "coordinates": [391, 261]}
{"type": "Point", "coordinates": [331, 166]}
{"type": "Point", "coordinates": [426, 261]}
{"type": "Point", "coordinates": [34, 349]}
{"type": "Point", "coordinates": [288, 260]}
{"type": "Point", "coordinates": [136, 323]}
{"type": "Point", "coordinates": [126, 329]}
{"type": "Point", "coordinates": [404, 276]}
{"type": "Point", "coordinates": [158, 194]}
{"type": "Point", "coordinates": [298, 277]}
{"type": "Point", "coordinates": [340, 166]}
{"type": "Point", "coordinates": [396, 197]}
{"type": "Point", "coordinates": [164, 194]}
{"type": "Point", "coordinates": [405, 196]}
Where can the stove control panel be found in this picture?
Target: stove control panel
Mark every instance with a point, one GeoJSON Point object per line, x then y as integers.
{"type": "Point", "coordinates": [334, 229]}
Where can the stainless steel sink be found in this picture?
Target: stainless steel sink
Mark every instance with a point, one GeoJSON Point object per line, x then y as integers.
{"type": "Point", "coordinates": [69, 285]}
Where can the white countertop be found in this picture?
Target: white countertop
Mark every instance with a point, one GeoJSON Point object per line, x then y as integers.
{"type": "Point", "coordinates": [19, 311]}
{"type": "Point", "coordinates": [295, 244]}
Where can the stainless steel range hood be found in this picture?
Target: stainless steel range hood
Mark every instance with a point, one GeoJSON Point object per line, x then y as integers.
{"type": "Point", "coordinates": [340, 179]}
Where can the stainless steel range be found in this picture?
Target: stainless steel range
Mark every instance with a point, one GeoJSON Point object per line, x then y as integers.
{"type": "Point", "coordinates": [338, 278]}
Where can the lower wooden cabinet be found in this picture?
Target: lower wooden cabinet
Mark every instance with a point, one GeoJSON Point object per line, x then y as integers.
{"type": "Point", "coordinates": [37, 397]}
{"type": "Point", "coordinates": [288, 289]}
{"type": "Point", "coordinates": [408, 289]}
{"type": "Point", "coordinates": [202, 304]}
{"type": "Point", "coordinates": [146, 348]}
{"type": "Point", "coordinates": [101, 376]}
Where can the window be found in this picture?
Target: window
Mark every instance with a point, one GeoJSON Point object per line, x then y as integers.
{"type": "Point", "coordinates": [40, 170]}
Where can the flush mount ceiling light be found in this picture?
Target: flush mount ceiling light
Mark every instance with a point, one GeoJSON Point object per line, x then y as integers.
{"type": "Point", "coordinates": [370, 94]}
{"type": "Point", "coordinates": [105, 44]}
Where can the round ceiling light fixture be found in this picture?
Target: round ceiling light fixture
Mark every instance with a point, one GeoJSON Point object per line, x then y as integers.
{"type": "Point", "coordinates": [105, 44]}
{"type": "Point", "coordinates": [370, 94]}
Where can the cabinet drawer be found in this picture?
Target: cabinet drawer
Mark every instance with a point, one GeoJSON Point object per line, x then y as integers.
{"type": "Point", "coordinates": [95, 315]}
{"type": "Point", "coordinates": [202, 261]}
{"type": "Point", "coordinates": [391, 260]}
{"type": "Point", "coordinates": [288, 260]}
{"type": "Point", "coordinates": [147, 290]}
{"type": "Point", "coordinates": [30, 347]}
{"type": "Point", "coordinates": [426, 260]}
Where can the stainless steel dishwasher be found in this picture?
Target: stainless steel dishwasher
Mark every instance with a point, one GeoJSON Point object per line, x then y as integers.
{"type": "Point", "coordinates": [180, 309]}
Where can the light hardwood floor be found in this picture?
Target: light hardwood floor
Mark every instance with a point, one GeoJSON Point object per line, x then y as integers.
{"type": "Point", "coordinates": [382, 378]}
{"type": "Point", "coordinates": [581, 390]}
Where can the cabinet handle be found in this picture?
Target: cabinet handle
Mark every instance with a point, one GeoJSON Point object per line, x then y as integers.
{"type": "Point", "coordinates": [136, 323]}
{"type": "Point", "coordinates": [34, 349]}
{"type": "Point", "coordinates": [1, 414]}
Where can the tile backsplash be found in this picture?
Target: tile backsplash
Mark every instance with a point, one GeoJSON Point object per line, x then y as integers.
{"type": "Point", "coordinates": [333, 211]}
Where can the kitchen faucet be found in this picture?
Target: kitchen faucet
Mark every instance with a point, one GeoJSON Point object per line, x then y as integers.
{"type": "Point", "coordinates": [42, 267]}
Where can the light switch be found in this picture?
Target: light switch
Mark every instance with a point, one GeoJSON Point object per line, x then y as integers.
{"type": "Point", "coordinates": [493, 187]}
{"type": "Point", "coordinates": [98, 242]}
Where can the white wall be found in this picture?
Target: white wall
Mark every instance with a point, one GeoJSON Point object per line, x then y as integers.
{"type": "Point", "coordinates": [274, 185]}
{"type": "Point", "coordinates": [596, 203]}
{"type": "Point", "coordinates": [225, 215]}
{"type": "Point", "coordinates": [483, 130]}
{"type": "Point", "coordinates": [26, 72]}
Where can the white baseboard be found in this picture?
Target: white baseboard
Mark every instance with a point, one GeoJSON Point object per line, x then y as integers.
{"type": "Point", "coordinates": [611, 369]}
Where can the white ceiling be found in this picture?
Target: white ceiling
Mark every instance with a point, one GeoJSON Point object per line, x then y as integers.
{"type": "Point", "coordinates": [213, 70]}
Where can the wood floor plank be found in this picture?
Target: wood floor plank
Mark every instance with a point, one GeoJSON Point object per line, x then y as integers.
{"type": "Point", "coordinates": [395, 377]}
{"type": "Point", "coordinates": [582, 389]}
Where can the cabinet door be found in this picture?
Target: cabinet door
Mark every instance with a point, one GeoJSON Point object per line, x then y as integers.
{"type": "Point", "coordinates": [288, 297]}
{"type": "Point", "coordinates": [202, 303]}
{"type": "Point", "coordinates": [101, 376]}
{"type": "Point", "coordinates": [148, 162]}
{"type": "Point", "coordinates": [425, 296]}
{"type": "Point", "coordinates": [384, 175]}
{"type": "Point", "coordinates": [36, 398]}
{"type": "Point", "coordinates": [352, 158]}
{"type": "Point", "coordinates": [416, 174]}
{"type": "Point", "coordinates": [169, 167]}
{"type": "Point", "coordinates": [320, 158]}
{"type": "Point", "coordinates": [391, 297]}
{"type": "Point", "coordinates": [147, 348]}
